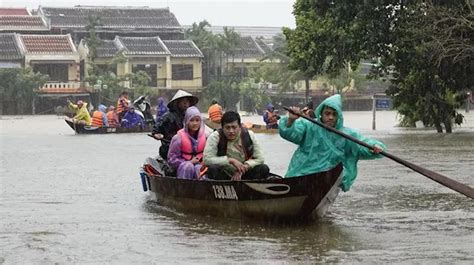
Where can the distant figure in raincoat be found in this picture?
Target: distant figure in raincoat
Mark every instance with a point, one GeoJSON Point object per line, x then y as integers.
{"type": "Point", "coordinates": [270, 117]}
{"type": "Point", "coordinates": [320, 150]}
{"type": "Point", "coordinates": [161, 109]}
{"type": "Point", "coordinates": [131, 119]}
{"type": "Point", "coordinates": [187, 146]}
{"type": "Point", "coordinates": [82, 114]}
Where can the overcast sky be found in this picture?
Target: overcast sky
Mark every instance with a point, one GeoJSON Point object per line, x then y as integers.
{"type": "Point", "coordinates": [275, 13]}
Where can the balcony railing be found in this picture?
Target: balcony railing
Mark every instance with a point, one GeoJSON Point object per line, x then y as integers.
{"type": "Point", "coordinates": [60, 85]}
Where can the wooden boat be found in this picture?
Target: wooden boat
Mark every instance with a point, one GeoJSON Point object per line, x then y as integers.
{"type": "Point", "coordinates": [274, 199]}
{"type": "Point", "coordinates": [256, 128]}
{"type": "Point", "coordinates": [84, 129]}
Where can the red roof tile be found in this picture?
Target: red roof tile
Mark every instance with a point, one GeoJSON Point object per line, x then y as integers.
{"type": "Point", "coordinates": [22, 23]}
{"type": "Point", "coordinates": [48, 44]}
{"type": "Point", "coordinates": [14, 11]}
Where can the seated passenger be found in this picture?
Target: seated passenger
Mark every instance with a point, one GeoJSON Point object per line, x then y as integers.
{"type": "Point", "coordinates": [99, 117]}
{"type": "Point", "coordinates": [82, 114]}
{"type": "Point", "coordinates": [131, 119]}
{"type": "Point", "coordinates": [187, 146]}
{"type": "Point", "coordinates": [233, 153]}
{"type": "Point", "coordinates": [112, 117]}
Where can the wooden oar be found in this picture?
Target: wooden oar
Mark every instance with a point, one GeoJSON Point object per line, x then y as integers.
{"type": "Point", "coordinates": [162, 139]}
{"type": "Point", "coordinates": [443, 180]}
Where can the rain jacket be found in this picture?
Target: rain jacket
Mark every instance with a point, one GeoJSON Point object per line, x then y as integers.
{"type": "Point", "coordinates": [81, 113]}
{"type": "Point", "coordinates": [161, 109]}
{"type": "Point", "coordinates": [132, 120]}
{"type": "Point", "coordinates": [172, 121]}
{"type": "Point", "coordinates": [185, 169]}
{"type": "Point", "coordinates": [320, 150]}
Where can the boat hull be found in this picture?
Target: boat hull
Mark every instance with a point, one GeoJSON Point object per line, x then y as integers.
{"type": "Point", "coordinates": [83, 129]}
{"type": "Point", "coordinates": [297, 198]}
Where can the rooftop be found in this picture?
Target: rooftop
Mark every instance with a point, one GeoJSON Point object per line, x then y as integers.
{"type": "Point", "coordinates": [14, 11]}
{"type": "Point", "coordinates": [48, 44]}
{"type": "Point", "coordinates": [22, 23]}
{"type": "Point", "coordinates": [183, 48]}
{"type": "Point", "coordinates": [9, 47]}
{"type": "Point", "coordinates": [137, 18]}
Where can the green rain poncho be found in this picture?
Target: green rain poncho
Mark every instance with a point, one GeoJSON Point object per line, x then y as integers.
{"type": "Point", "coordinates": [320, 150]}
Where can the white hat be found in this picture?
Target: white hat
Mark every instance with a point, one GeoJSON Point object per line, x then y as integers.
{"type": "Point", "coordinates": [182, 94]}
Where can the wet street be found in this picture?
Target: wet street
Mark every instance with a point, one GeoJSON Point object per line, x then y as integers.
{"type": "Point", "coordinates": [67, 198]}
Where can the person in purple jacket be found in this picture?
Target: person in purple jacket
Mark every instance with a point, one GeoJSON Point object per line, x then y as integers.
{"type": "Point", "coordinates": [131, 119]}
{"type": "Point", "coordinates": [187, 146]}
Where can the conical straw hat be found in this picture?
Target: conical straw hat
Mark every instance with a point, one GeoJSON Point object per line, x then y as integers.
{"type": "Point", "coordinates": [182, 94]}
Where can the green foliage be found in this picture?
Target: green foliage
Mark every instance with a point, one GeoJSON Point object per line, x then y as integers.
{"type": "Point", "coordinates": [226, 92]}
{"type": "Point", "coordinates": [19, 85]}
{"type": "Point", "coordinates": [424, 48]}
{"type": "Point", "coordinates": [252, 95]}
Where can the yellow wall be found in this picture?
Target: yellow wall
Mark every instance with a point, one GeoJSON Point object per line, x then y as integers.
{"type": "Point", "coordinates": [196, 83]}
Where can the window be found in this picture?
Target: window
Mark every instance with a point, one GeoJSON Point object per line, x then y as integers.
{"type": "Point", "coordinates": [151, 71]}
{"type": "Point", "coordinates": [182, 72]}
{"type": "Point", "coordinates": [56, 72]}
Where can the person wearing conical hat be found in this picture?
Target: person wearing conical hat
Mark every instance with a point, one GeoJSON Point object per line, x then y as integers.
{"type": "Point", "coordinates": [173, 120]}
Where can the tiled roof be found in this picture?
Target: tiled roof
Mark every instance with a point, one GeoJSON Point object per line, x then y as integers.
{"type": "Point", "coordinates": [107, 49]}
{"type": "Point", "coordinates": [266, 49]}
{"type": "Point", "coordinates": [48, 44]}
{"type": "Point", "coordinates": [22, 23]}
{"type": "Point", "coordinates": [111, 17]}
{"type": "Point", "coordinates": [182, 48]}
{"type": "Point", "coordinates": [252, 31]}
{"type": "Point", "coordinates": [14, 11]}
{"type": "Point", "coordinates": [9, 49]}
{"type": "Point", "coordinates": [143, 45]}
{"type": "Point", "coordinates": [248, 48]}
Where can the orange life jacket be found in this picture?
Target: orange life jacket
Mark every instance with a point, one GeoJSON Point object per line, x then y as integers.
{"type": "Point", "coordinates": [272, 118]}
{"type": "Point", "coordinates": [122, 104]}
{"type": "Point", "coordinates": [215, 113]}
{"type": "Point", "coordinates": [187, 146]}
{"type": "Point", "coordinates": [113, 119]}
{"type": "Point", "coordinates": [97, 117]}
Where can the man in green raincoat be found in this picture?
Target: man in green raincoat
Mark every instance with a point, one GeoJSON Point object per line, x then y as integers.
{"type": "Point", "coordinates": [319, 149]}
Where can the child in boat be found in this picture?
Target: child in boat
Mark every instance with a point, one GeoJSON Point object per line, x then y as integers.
{"type": "Point", "coordinates": [233, 153]}
{"type": "Point", "coordinates": [319, 149]}
{"type": "Point", "coordinates": [187, 146]}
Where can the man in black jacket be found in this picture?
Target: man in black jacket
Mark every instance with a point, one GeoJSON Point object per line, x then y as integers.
{"type": "Point", "coordinates": [172, 121]}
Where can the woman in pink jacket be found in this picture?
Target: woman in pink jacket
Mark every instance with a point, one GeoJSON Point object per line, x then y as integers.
{"type": "Point", "coordinates": [187, 146]}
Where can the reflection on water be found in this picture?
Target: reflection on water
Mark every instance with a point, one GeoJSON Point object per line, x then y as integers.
{"type": "Point", "coordinates": [69, 198]}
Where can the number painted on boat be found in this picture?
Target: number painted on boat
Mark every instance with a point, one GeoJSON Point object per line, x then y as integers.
{"type": "Point", "coordinates": [111, 129]}
{"type": "Point", "coordinates": [225, 192]}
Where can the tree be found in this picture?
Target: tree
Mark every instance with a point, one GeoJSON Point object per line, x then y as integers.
{"type": "Point", "coordinates": [226, 91]}
{"type": "Point", "coordinates": [19, 86]}
{"type": "Point", "coordinates": [207, 42]}
{"type": "Point", "coordinates": [410, 39]}
{"type": "Point", "coordinates": [252, 95]}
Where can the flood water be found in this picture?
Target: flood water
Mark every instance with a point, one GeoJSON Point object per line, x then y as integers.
{"type": "Point", "coordinates": [69, 198]}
